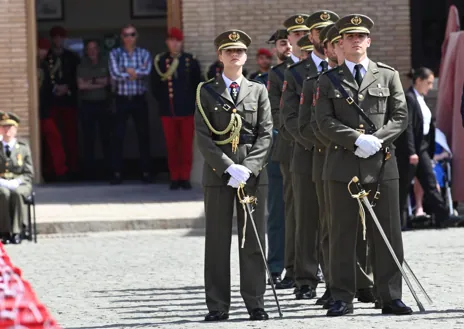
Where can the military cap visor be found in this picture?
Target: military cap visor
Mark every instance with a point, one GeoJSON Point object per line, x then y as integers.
{"type": "Point", "coordinates": [305, 44]}
{"type": "Point", "coordinates": [232, 39]}
{"type": "Point", "coordinates": [9, 119]}
{"type": "Point", "coordinates": [324, 32]}
{"type": "Point", "coordinates": [354, 23]}
{"type": "Point", "coordinates": [296, 23]}
{"type": "Point", "coordinates": [281, 34]}
{"type": "Point", "coordinates": [333, 35]}
{"type": "Point", "coordinates": [321, 19]}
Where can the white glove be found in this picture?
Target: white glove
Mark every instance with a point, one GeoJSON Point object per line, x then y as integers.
{"type": "Point", "coordinates": [13, 184]}
{"type": "Point", "coordinates": [369, 144]}
{"type": "Point", "coordinates": [239, 172]}
{"type": "Point", "coordinates": [360, 153]}
{"type": "Point", "coordinates": [3, 183]}
{"type": "Point", "coordinates": [233, 182]}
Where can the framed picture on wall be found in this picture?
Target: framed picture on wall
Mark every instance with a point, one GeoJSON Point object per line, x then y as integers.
{"type": "Point", "coordinates": [148, 8]}
{"type": "Point", "coordinates": [49, 10]}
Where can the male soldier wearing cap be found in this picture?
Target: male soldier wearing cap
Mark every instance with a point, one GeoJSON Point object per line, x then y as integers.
{"type": "Point", "coordinates": [175, 78]}
{"type": "Point", "coordinates": [306, 46]}
{"type": "Point", "coordinates": [309, 131]}
{"type": "Point", "coordinates": [264, 60]}
{"type": "Point", "coordinates": [283, 147]}
{"type": "Point", "coordinates": [360, 145]}
{"type": "Point", "coordinates": [62, 65]}
{"type": "Point", "coordinates": [16, 172]}
{"type": "Point", "coordinates": [306, 205]}
{"type": "Point", "coordinates": [235, 156]}
{"type": "Point", "coordinates": [276, 208]}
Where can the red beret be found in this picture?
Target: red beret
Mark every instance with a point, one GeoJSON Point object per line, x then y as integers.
{"type": "Point", "coordinates": [43, 43]}
{"type": "Point", "coordinates": [175, 33]}
{"type": "Point", "coordinates": [58, 31]}
{"type": "Point", "coordinates": [265, 52]}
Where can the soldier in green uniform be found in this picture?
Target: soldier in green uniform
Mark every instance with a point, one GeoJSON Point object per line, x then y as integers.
{"type": "Point", "coordinates": [306, 205]}
{"type": "Point", "coordinates": [233, 124]}
{"type": "Point", "coordinates": [16, 172]}
{"type": "Point", "coordinates": [283, 146]}
{"type": "Point", "coordinates": [361, 145]}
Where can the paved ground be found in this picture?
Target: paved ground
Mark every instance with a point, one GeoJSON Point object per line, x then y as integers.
{"type": "Point", "coordinates": [153, 279]}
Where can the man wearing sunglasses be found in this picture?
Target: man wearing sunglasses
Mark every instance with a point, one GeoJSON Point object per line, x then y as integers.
{"type": "Point", "coordinates": [129, 66]}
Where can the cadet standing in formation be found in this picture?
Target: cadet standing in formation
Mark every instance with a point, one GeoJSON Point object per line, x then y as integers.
{"type": "Point", "coordinates": [232, 159]}
{"type": "Point", "coordinates": [360, 146]}
{"type": "Point", "coordinates": [276, 207]}
{"type": "Point", "coordinates": [304, 190]}
{"type": "Point", "coordinates": [16, 173]}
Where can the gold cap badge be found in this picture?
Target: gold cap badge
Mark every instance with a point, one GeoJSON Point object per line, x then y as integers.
{"type": "Point", "coordinates": [299, 20]}
{"type": "Point", "coordinates": [5, 117]}
{"type": "Point", "coordinates": [356, 20]}
{"type": "Point", "coordinates": [325, 16]}
{"type": "Point", "coordinates": [234, 36]}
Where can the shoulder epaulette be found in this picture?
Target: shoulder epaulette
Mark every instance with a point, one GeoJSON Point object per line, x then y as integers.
{"type": "Point", "coordinates": [22, 142]}
{"type": "Point", "coordinates": [332, 69]}
{"type": "Point", "coordinates": [277, 66]}
{"type": "Point", "coordinates": [209, 81]}
{"type": "Point", "coordinates": [385, 66]}
{"type": "Point", "coordinates": [158, 56]}
{"type": "Point", "coordinates": [313, 77]}
{"type": "Point", "coordinates": [295, 65]}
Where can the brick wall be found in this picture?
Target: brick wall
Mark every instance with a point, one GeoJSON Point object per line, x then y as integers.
{"type": "Point", "coordinates": [13, 61]}
{"type": "Point", "coordinates": [204, 19]}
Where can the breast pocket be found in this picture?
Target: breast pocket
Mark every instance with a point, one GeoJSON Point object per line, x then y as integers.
{"type": "Point", "coordinates": [250, 111]}
{"type": "Point", "coordinates": [379, 98]}
{"type": "Point", "coordinates": [220, 115]}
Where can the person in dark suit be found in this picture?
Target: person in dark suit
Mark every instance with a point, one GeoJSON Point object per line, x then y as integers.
{"type": "Point", "coordinates": [416, 146]}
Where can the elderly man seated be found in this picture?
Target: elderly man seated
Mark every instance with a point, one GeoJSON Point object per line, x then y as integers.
{"type": "Point", "coordinates": [16, 172]}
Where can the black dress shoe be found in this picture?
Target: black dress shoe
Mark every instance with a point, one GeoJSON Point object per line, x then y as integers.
{"type": "Point", "coordinates": [396, 307]}
{"type": "Point", "coordinates": [286, 283]}
{"type": "Point", "coordinates": [117, 179]}
{"type": "Point", "coordinates": [185, 184]}
{"type": "Point", "coordinates": [175, 185]}
{"type": "Point", "coordinates": [305, 292]}
{"type": "Point", "coordinates": [328, 304]}
{"type": "Point", "coordinates": [340, 308]}
{"type": "Point", "coordinates": [15, 239]}
{"type": "Point", "coordinates": [324, 298]}
{"type": "Point", "coordinates": [216, 316]}
{"type": "Point", "coordinates": [366, 295]}
{"type": "Point", "coordinates": [258, 314]}
{"type": "Point", "coordinates": [275, 277]}
{"type": "Point", "coordinates": [5, 238]}
{"type": "Point", "coordinates": [378, 305]}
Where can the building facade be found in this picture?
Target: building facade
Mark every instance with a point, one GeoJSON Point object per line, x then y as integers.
{"type": "Point", "coordinates": [201, 21]}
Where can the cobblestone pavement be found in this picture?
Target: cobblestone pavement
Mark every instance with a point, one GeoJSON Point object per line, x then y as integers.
{"type": "Point", "coordinates": [154, 279]}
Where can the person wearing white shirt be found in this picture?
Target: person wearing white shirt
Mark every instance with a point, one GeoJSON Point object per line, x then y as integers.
{"type": "Point", "coordinates": [16, 172]}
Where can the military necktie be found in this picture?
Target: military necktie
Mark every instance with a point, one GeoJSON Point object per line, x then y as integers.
{"type": "Point", "coordinates": [358, 75]}
{"type": "Point", "coordinates": [234, 89]}
{"type": "Point", "coordinates": [7, 150]}
{"type": "Point", "coordinates": [324, 66]}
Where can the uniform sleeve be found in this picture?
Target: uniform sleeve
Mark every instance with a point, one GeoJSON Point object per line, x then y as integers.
{"type": "Point", "coordinates": [275, 91]}
{"type": "Point", "coordinates": [328, 124]}
{"type": "Point", "coordinates": [397, 110]}
{"type": "Point", "coordinates": [211, 152]}
{"type": "Point", "coordinates": [410, 128]}
{"type": "Point", "coordinates": [289, 109]}
{"type": "Point", "coordinates": [258, 154]}
{"type": "Point", "coordinates": [28, 169]}
{"type": "Point", "coordinates": [317, 132]}
{"type": "Point", "coordinates": [304, 115]}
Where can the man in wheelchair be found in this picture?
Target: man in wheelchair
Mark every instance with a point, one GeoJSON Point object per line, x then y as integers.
{"type": "Point", "coordinates": [16, 172]}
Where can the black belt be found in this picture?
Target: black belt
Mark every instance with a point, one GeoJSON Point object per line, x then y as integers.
{"type": "Point", "coordinates": [243, 139]}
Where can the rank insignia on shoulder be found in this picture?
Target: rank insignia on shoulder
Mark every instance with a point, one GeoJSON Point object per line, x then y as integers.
{"type": "Point", "coordinates": [284, 87]}
{"type": "Point", "coordinates": [301, 98]}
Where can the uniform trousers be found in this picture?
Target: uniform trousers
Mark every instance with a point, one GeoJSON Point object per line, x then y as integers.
{"type": "Point", "coordinates": [290, 224]}
{"type": "Point", "coordinates": [55, 159]}
{"type": "Point", "coordinates": [178, 134]}
{"type": "Point", "coordinates": [66, 119]}
{"type": "Point", "coordinates": [344, 234]}
{"type": "Point", "coordinates": [13, 208]}
{"type": "Point", "coordinates": [219, 211]}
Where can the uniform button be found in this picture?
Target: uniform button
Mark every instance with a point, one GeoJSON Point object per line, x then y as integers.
{"type": "Point", "coordinates": [360, 96]}
{"type": "Point", "coordinates": [320, 150]}
{"type": "Point", "coordinates": [170, 90]}
{"type": "Point", "coordinates": [336, 147]}
{"type": "Point", "coordinates": [361, 126]}
{"type": "Point", "coordinates": [380, 94]}
{"type": "Point", "coordinates": [6, 170]}
{"type": "Point", "coordinates": [214, 169]}
{"type": "Point", "coordinates": [171, 95]}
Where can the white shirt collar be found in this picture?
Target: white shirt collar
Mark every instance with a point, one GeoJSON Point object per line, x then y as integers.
{"type": "Point", "coordinates": [11, 144]}
{"type": "Point", "coordinates": [228, 81]}
{"type": "Point", "coordinates": [295, 59]}
{"type": "Point", "coordinates": [318, 61]}
{"type": "Point", "coordinates": [364, 63]}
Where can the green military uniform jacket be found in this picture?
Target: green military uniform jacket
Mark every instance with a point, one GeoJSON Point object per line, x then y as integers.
{"type": "Point", "coordinates": [254, 108]}
{"type": "Point", "coordinates": [382, 98]}
{"type": "Point", "coordinates": [291, 92]}
{"type": "Point", "coordinates": [18, 165]}
{"type": "Point", "coordinates": [282, 148]}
